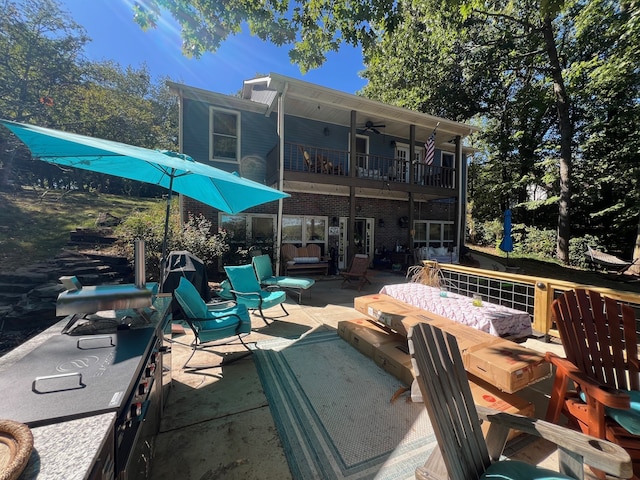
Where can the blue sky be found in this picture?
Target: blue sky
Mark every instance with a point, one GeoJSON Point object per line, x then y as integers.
{"type": "Point", "coordinates": [115, 36]}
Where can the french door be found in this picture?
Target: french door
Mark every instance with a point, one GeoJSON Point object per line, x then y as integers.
{"type": "Point", "coordinates": [363, 235]}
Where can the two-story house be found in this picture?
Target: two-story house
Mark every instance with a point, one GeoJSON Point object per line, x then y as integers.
{"type": "Point", "coordinates": [364, 177]}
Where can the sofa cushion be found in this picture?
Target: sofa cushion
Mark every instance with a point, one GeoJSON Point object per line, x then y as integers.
{"type": "Point", "coordinates": [243, 278]}
{"type": "Point", "coordinates": [306, 259]}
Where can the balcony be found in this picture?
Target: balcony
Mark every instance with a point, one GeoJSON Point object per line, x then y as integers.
{"type": "Point", "coordinates": [308, 163]}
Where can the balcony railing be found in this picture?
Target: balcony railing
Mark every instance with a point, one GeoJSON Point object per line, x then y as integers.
{"type": "Point", "coordinates": [326, 161]}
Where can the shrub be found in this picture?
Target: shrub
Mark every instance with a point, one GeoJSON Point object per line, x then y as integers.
{"type": "Point", "coordinates": [196, 237]}
{"type": "Point", "coordinates": [148, 225]}
{"type": "Point", "coordinates": [488, 233]}
{"type": "Point", "coordinates": [540, 243]}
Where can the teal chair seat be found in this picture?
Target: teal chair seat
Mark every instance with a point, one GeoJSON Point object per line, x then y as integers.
{"type": "Point", "coordinates": [248, 292]}
{"type": "Point", "coordinates": [289, 282]}
{"type": "Point", "coordinates": [520, 471]}
{"type": "Point", "coordinates": [264, 273]}
{"type": "Point", "coordinates": [212, 324]}
{"type": "Point", "coordinates": [629, 419]}
{"type": "Point", "coordinates": [224, 291]}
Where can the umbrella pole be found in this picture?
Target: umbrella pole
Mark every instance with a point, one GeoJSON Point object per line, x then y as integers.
{"type": "Point", "coordinates": [163, 259]}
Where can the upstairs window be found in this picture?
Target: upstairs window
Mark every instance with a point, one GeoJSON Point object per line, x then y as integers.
{"type": "Point", "coordinates": [225, 135]}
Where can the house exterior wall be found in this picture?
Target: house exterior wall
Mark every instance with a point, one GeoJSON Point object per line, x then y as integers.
{"type": "Point", "coordinates": [258, 136]}
{"type": "Point", "coordinates": [259, 145]}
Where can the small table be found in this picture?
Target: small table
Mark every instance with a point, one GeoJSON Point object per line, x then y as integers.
{"type": "Point", "coordinates": [491, 318]}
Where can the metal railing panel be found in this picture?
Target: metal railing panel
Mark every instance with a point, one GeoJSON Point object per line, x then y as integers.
{"type": "Point", "coordinates": [522, 292]}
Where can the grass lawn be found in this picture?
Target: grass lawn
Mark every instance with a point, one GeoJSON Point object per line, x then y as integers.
{"type": "Point", "coordinates": [35, 224]}
{"type": "Point", "coordinates": [553, 269]}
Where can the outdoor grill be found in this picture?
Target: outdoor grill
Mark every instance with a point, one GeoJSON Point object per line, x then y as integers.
{"type": "Point", "coordinates": [79, 375]}
{"type": "Point", "coordinates": [79, 301]}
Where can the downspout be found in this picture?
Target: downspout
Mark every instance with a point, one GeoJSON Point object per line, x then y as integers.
{"type": "Point", "coordinates": [412, 181]}
{"type": "Point", "coordinates": [462, 194]}
{"type": "Point", "coordinates": [281, 100]}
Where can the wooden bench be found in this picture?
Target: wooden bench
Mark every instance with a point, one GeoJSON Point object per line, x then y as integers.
{"type": "Point", "coordinates": [303, 260]}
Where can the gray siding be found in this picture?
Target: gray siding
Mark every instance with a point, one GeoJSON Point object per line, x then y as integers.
{"type": "Point", "coordinates": [195, 124]}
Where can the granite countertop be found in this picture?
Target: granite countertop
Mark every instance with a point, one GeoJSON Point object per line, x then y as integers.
{"type": "Point", "coordinates": [68, 450]}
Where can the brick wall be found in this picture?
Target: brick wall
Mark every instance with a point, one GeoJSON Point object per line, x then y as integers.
{"type": "Point", "coordinates": [331, 206]}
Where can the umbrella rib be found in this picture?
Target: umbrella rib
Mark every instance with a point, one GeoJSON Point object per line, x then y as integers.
{"type": "Point", "coordinates": [169, 171]}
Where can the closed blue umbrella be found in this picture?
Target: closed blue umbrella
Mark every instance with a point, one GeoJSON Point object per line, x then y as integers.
{"type": "Point", "coordinates": [506, 245]}
{"type": "Point", "coordinates": [176, 172]}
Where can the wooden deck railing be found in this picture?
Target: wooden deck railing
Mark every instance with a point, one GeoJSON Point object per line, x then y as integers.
{"type": "Point", "coordinates": [523, 292]}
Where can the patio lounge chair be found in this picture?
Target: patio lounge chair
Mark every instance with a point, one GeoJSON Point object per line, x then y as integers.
{"type": "Point", "coordinates": [462, 452]}
{"type": "Point", "coordinates": [264, 272]}
{"type": "Point", "coordinates": [607, 262]}
{"type": "Point", "coordinates": [213, 324]}
{"type": "Point", "coordinates": [600, 342]}
{"type": "Point", "coordinates": [357, 271]}
{"type": "Point", "coordinates": [247, 291]}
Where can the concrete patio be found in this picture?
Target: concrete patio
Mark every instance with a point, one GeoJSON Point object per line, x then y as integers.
{"type": "Point", "coordinates": [217, 422]}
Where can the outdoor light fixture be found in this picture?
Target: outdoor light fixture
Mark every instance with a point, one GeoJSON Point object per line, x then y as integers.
{"type": "Point", "coordinates": [326, 131]}
{"type": "Point", "coordinates": [381, 222]}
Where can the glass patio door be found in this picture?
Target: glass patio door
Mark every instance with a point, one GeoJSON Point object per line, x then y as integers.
{"type": "Point", "coordinates": [402, 163]}
{"type": "Point", "coordinates": [364, 239]}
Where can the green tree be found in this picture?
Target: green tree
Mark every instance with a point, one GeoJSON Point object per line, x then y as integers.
{"type": "Point", "coordinates": [125, 105]}
{"type": "Point", "coordinates": [609, 109]}
{"type": "Point", "coordinates": [312, 27]}
{"type": "Point", "coordinates": [515, 78]}
{"type": "Point", "coordinates": [40, 50]}
{"type": "Point", "coordinates": [456, 68]}
{"type": "Point", "coordinates": [44, 80]}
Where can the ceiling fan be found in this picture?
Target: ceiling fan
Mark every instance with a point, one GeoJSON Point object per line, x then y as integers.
{"type": "Point", "coordinates": [369, 126]}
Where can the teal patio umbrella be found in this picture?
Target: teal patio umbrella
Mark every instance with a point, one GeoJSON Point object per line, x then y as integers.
{"type": "Point", "coordinates": [174, 171]}
{"type": "Point", "coordinates": [506, 245]}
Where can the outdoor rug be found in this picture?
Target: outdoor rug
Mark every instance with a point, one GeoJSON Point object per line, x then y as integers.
{"type": "Point", "coordinates": [332, 407]}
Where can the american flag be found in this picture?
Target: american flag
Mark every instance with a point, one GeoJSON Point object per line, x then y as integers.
{"type": "Point", "coordinates": [430, 149]}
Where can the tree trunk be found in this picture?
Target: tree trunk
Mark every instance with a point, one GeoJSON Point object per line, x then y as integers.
{"type": "Point", "coordinates": [566, 134]}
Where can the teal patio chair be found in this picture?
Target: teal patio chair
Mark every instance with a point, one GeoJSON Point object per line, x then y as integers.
{"type": "Point", "coordinates": [213, 324]}
{"type": "Point", "coordinates": [264, 272]}
{"type": "Point", "coordinates": [247, 291]}
{"type": "Point", "coordinates": [462, 452]}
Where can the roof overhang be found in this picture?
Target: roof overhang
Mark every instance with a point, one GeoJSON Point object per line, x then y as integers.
{"type": "Point", "coordinates": [311, 101]}
{"type": "Point", "coordinates": [308, 100]}
{"type": "Point", "coordinates": [220, 99]}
